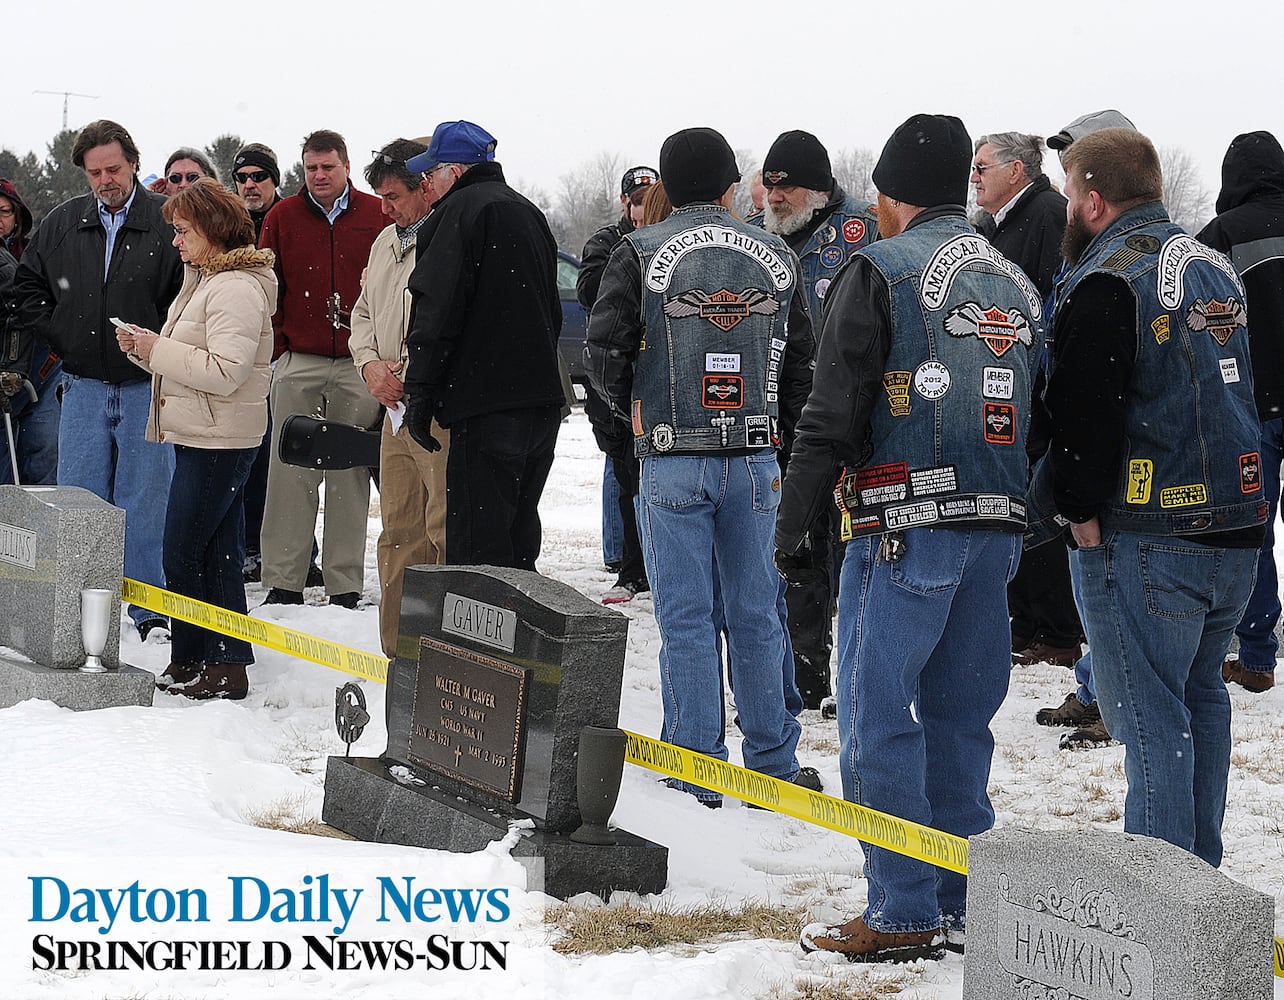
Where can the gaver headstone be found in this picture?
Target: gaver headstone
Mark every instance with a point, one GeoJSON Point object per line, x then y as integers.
{"type": "Point", "coordinates": [1109, 916]}
{"type": "Point", "coordinates": [56, 541]}
{"type": "Point", "coordinates": [498, 671]}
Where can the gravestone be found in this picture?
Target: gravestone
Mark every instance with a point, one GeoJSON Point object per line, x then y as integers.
{"type": "Point", "coordinates": [497, 671]}
{"type": "Point", "coordinates": [54, 542]}
{"type": "Point", "coordinates": [1107, 916]}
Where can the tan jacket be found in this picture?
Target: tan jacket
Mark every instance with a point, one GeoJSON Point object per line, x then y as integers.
{"type": "Point", "coordinates": [382, 313]}
{"type": "Point", "coordinates": [212, 365]}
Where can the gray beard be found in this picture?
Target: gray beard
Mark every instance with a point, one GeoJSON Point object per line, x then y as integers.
{"type": "Point", "coordinates": [789, 224]}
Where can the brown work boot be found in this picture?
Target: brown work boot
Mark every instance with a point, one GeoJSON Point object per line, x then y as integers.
{"type": "Point", "coordinates": [1071, 712]}
{"type": "Point", "coordinates": [1041, 652]}
{"type": "Point", "coordinates": [1256, 681]}
{"type": "Point", "coordinates": [178, 673]}
{"type": "Point", "coordinates": [1088, 737]}
{"type": "Point", "coordinates": [857, 942]}
{"type": "Point", "coordinates": [217, 680]}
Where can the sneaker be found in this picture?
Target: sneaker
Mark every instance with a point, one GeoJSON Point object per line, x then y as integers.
{"type": "Point", "coordinates": [829, 708]}
{"type": "Point", "coordinates": [315, 577]}
{"type": "Point", "coordinates": [348, 600]}
{"type": "Point", "coordinates": [857, 942]}
{"type": "Point", "coordinates": [1256, 681]}
{"type": "Point", "coordinates": [1088, 737]}
{"type": "Point", "coordinates": [279, 595]}
{"type": "Point", "coordinates": [1041, 652]}
{"type": "Point", "coordinates": [1071, 712]}
{"type": "Point", "coordinates": [154, 630]}
{"type": "Point", "coordinates": [624, 591]}
{"type": "Point", "coordinates": [178, 673]}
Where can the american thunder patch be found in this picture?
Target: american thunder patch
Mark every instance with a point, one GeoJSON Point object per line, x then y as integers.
{"type": "Point", "coordinates": [722, 308]}
{"type": "Point", "coordinates": [1220, 319]}
{"type": "Point", "coordinates": [997, 329]}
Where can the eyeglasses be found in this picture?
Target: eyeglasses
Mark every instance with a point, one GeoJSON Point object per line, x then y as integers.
{"type": "Point", "coordinates": [257, 176]}
{"type": "Point", "coordinates": [981, 168]}
{"type": "Point", "coordinates": [178, 178]}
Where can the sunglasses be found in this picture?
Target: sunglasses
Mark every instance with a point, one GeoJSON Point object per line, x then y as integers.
{"type": "Point", "coordinates": [178, 178]}
{"type": "Point", "coordinates": [257, 176]}
{"type": "Point", "coordinates": [981, 168]}
{"type": "Point", "coordinates": [384, 158]}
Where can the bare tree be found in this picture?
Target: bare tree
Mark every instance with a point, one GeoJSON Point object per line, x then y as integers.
{"type": "Point", "coordinates": [587, 199]}
{"type": "Point", "coordinates": [1188, 200]}
{"type": "Point", "coordinates": [852, 169]}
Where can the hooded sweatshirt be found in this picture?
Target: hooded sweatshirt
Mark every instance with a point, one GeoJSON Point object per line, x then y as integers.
{"type": "Point", "coordinates": [1249, 229]}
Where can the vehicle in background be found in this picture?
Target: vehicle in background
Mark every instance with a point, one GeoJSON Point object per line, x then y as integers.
{"type": "Point", "coordinates": [574, 320]}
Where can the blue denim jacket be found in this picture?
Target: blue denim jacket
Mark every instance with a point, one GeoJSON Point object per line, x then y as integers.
{"type": "Point", "coordinates": [1191, 459]}
{"type": "Point", "coordinates": [715, 303]}
{"type": "Point", "coordinates": [851, 226]}
{"type": "Point", "coordinates": [948, 446]}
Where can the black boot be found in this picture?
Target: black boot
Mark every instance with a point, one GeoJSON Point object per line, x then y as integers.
{"type": "Point", "coordinates": [217, 680]}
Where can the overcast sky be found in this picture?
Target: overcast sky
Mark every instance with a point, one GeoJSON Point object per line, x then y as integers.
{"type": "Point", "coordinates": [559, 81]}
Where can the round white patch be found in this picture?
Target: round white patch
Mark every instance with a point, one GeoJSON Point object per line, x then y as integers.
{"type": "Point", "coordinates": [822, 286]}
{"type": "Point", "coordinates": [932, 380]}
{"type": "Point", "coordinates": [662, 437]}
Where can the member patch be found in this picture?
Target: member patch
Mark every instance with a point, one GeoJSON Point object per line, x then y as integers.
{"type": "Point", "coordinates": [1183, 496]}
{"type": "Point", "coordinates": [898, 398]}
{"type": "Point", "coordinates": [637, 418]}
{"type": "Point", "coordinates": [722, 363]}
{"type": "Point", "coordinates": [996, 383]}
{"type": "Point", "coordinates": [723, 309]}
{"type": "Point", "coordinates": [724, 392]}
{"type": "Point", "coordinates": [662, 437]}
{"type": "Point", "coordinates": [1230, 370]}
{"type": "Point", "coordinates": [1250, 472]}
{"type": "Point", "coordinates": [1000, 423]}
{"type": "Point", "coordinates": [1141, 473]}
{"type": "Point", "coordinates": [1162, 327]}
{"type": "Point", "coordinates": [1143, 243]}
{"type": "Point", "coordinates": [854, 230]}
{"type": "Point", "coordinates": [926, 482]}
{"type": "Point", "coordinates": [822, 286]}
{"type": "Point", "coordinates": [758, 431]}
{"type": "Point", "coordinates": [932, 380]}
{"type": "Point", "coordinates": [1221, 319]}
{"type": "Point", "coordinates": [999, 330]}
{"type": "Point", "coordinates": [832, 256]}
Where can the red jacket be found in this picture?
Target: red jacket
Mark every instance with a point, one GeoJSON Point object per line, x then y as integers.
{"type": "Point", "coordinates": [314, 260]}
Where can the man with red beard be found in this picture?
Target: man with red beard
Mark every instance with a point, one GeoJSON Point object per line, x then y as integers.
{"type": "Point", "coordinates": [922, 392]}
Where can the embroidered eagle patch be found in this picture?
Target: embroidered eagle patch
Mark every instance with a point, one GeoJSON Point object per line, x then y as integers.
{"type": "Point", "coordinates": [723, 309]}
{"type": "Point", "coordinates": [999, 330]}
{"type": "Point", "coordinates": [1220, 319]}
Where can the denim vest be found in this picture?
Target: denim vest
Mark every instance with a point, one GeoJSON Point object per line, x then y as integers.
{"type": "Point", "coordinates": [1190, 459]}
{"type": "Point", "coordinates": [948, 440]}
{"type": "Point", "coordinates": [715, 301]}
{"type": "Point", "coordinates": [848, 228]}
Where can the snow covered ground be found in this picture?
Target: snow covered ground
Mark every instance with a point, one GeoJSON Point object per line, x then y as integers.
{"type": "Point", "coordinates": [168, 795]}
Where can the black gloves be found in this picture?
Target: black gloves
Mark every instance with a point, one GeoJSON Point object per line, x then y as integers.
{"type": "Point", "coordinates": [798, 568]}
{"type": "Point", "coordinates": [418, 422]}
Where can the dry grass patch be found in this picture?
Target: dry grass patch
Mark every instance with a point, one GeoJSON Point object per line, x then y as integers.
{"type": "Point", "coordinates": [289, 815]}
{"type": "Point", "coordinates": [599, 930]}
{"type": "Point", "coordinates": [857, 984]}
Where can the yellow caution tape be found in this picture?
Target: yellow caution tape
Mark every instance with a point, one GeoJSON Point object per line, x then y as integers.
{"type": "Point", "coordinates": [284, 640]}
{"type": "Point", "coordinates": [914, 840]}
{"type": "Point", "coordinates": [911, 839]}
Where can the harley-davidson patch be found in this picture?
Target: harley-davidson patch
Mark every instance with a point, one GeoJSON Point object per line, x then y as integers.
{"type": "Point", "coordinates": [999, 330]}
{"type": "Point", "coordinates": [1221, 319]}
{"type": "Point", "coordinates": [1000, 423]}
{"type": "Point", "coordinates": [724, 392]}
{"type": "Point", "coordinates": [723, 309]}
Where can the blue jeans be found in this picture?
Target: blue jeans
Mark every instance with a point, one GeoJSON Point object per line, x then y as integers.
{"type": "Point", "coordinates": [35, 427]}
{"type": "Point", "coordinates": [1256, 631]}
{"type": "Point", "coordinates": [924, 657]}
{"type": "Point", "coordinates": [205, 546]}
{"type": "Point", "coordinates": [101, 448]}
{"type": "Point", "coordinates": [612, 521]}
{"type": "Point", "coordinates": [697, 510]}
{"type": "Point", "coordinates": [1159, 611]}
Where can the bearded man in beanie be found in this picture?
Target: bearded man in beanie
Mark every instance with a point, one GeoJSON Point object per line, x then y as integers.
{"type": "Point", "coordinates": [258, 176]}
{"type": "Point", "coordinates": [921, 397]}
{"type": "Point", "coordinates": [824, 226]}
{"type": "Point", "coordinates": [725, 370]}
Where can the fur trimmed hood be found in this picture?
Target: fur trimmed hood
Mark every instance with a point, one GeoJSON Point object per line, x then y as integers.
{"type": "Point", "coordinates": [244, 258]}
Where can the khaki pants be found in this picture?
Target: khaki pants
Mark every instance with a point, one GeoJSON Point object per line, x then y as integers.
{"type": "Point", "coordinates": [412, 502]}
{"type": "Point", "coordinates": [331, 388]}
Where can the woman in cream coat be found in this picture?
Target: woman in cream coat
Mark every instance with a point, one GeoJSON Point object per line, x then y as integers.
{"type": "Point", "coordinates": [210, 368]}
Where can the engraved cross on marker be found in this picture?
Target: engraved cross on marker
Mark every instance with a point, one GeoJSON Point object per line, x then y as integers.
{"type": "Point", "coordinates": [724, 422]}
{"type": "Point", "coordinates": [458, 753]}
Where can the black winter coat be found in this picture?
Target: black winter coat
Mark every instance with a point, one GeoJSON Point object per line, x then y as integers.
{"type": "Point", "coordinates": [1249, 229]}
{"type": "Point", "coordinates": [486, 313]}
{"type": "Point", "coordinates": [59, 295]}
{"type": "Point", "coordinates": [597, 250]}
{"type": "Point", "coordinates": [1030, 235]}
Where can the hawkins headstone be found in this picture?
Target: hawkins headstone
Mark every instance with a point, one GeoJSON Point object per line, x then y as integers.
{"type": "Point", "coordinates": [1109, 916]}
{"type": "Point", "coordinates": [497, 672]}
{"type": "Point", "coordinates": [54, 542]}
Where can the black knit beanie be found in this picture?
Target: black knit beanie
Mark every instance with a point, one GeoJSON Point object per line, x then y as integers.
{"type": "Point", "coordinates": [257, 155]}
{"type": "Point", "coordinates": [697, 164]}
{"type": "Point", "coordinates": [798, 159]}
{"type": "Point", "coordinates": [926, 162]}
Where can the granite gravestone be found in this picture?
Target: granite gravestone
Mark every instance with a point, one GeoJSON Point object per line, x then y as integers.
{"type": "Point", "coordinates": [54, 542]}
{"type": "Point", "coordinates": [1109, 916]}
{"type": "Point", "coordinates": [497, 672]}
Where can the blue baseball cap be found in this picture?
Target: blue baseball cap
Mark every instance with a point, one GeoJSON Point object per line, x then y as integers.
{"type": "Point", "coordinates": [455, 142]}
